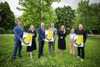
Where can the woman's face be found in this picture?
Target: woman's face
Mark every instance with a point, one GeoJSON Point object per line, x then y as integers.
{"type": "Point", "coordinates": [72, 31]}
{"type": "Point", "coordinates": [62, 27]}
{"type": "Point", "coordinates": [32, 28]}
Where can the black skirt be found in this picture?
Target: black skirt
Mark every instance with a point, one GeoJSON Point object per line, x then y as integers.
{"type": "Point", "coordinates": [61, 44]}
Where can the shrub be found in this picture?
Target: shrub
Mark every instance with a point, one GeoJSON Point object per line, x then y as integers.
{"type": "Point", "coordinates": [2, 30]}
{"type": "Point", "coordinates": [9, 32]}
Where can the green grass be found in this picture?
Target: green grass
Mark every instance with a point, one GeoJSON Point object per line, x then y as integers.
{"type": "Point", "coordinates": [92, 55]}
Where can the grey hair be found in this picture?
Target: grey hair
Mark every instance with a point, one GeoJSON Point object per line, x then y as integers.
{"type": "Point", "coordinates": [80, 25]}
{"type": "Point", "coordinates": [42, 23]}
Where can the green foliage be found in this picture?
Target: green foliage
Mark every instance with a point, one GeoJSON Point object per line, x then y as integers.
{"type": "Point", "coordinates": [2, 30]}
{"type": "Point", "coordinates": [37, 11]}
{"type": "Point", "coordinates": [7, 18]}
{"type": "Point", "coordinates": [92, 55]}
{"type": "Point", "coordinates": [65, 16]}
{"type": "Point", "coordinates": [88, 15]}
{"type": "Point", "coordinates": [10, 32]}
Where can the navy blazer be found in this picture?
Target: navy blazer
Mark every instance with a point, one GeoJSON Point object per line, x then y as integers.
{"type": "Point", "coordinates": [41, 34]}
{"type": "Point", "coordinates": [18, 32]}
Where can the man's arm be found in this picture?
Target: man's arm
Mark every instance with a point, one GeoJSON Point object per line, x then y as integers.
{"type": "Point", "coordinates": [16, 33]}
{"type": "Point", "coordinates": [85, 36]}
{"type": "Point", "coordinates": [40, 34]}
{"type": "Point", "coordinates": [55, 33]}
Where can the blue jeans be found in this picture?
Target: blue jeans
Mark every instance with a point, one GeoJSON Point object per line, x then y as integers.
{"type": "Point", "coordinates": [17, 45]}
{"type": "Point", "coordinates": [41, 45]}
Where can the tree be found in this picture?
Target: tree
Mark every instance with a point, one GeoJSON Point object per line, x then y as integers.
{"type": "Point", "coordinates": [37, 11]}
{"type": "Point", "coordinates": [7, 18]}
{"type": "Point", "coordinates": [66, 17]}
{"type": "Point", "coordinates": [88, 16]}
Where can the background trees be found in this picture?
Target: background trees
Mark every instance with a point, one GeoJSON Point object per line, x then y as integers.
{"type": "Point", "coordinates": [88, 16]}
{"type": "Point", "coordinates": [66, 17]}
{"type": "Point", "coordinates": [37, 11]}
{"type": "Point", "coordinates": [7, 18]}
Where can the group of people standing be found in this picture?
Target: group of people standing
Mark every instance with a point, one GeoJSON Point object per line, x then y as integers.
{"type": "Point", "coordinates": [19, 30]}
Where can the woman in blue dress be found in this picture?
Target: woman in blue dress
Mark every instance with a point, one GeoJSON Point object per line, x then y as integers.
{"type": "Point", "coordinates": [33, 46]}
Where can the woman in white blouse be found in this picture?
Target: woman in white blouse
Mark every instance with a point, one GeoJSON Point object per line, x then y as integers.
{"type": "Point", "coordinates": [71, 39]}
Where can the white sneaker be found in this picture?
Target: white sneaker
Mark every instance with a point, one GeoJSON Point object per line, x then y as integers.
{"type": "Point", "coordinates": [82, 59]}
{"type": "Point", "coordinates": [31, 57]}
{"type": "Point", "coordinates": [78, 56]}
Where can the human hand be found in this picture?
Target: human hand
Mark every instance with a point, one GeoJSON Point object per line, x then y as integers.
{"type": "Point", "coordinates": [44, 40]}
{"type": "Point", "coordinates": [21, 40]}
{"type": "Point", "coordinates": [61, 37]}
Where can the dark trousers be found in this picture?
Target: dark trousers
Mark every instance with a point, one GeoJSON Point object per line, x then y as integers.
{"type": "Point", "coordinates": [17, 46]}
{"type": "Point", "coordinates": [82, 50]}
{"type": "Point", "coordinates": [41, 45]}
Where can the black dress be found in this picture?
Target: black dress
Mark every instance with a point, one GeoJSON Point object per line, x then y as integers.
{"type": "Point", "coordinates": [61, 42]}
{"type": "Point", "coordinates": [33, 47]}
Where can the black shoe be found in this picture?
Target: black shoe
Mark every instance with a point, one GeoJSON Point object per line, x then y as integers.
{"type": "Point", "coordinates": [38, 57]}
{"type": "Point", "coordinates": [43, 55]}
{"type": "Point", "coordinates": [20, 56]}
{"type": "Point", "coordinates": [13, 59]}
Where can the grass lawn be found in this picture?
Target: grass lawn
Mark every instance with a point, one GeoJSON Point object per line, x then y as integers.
{"type": "Point", "coordinates": [92, 55]}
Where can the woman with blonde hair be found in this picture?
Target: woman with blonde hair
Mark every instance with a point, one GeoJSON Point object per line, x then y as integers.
{"type": "Point", "coordinates": [33, 46]}
{"type": "Point", "coordinates": [61, 40]}
{"type": "Point", "coordinates": [71, 39]}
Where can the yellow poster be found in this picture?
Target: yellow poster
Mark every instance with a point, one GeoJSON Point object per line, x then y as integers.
{"type": "Point", "coordinates": [27, 39]}
{"type": "Point", "coordinates": [78, 40]}
{"type": "Point", "coordinates": [49, 35]}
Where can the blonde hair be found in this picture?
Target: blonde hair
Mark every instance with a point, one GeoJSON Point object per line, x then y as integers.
{"type": "Point", "coordinates": [31, 26]}
{"type": "Point", "coordinates": [63, 29]}
{"type": "Point", "coordinates": [71, 30]}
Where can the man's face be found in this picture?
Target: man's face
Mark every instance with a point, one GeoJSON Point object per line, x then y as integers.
{"type": "Point", "coordinates": [80, 27]}
{"type": "Point", "coordinates": [52, 25]}
{"type": "Point", "coordinates": [19, 23]}
{"type": "Point", "coordinates": [42, 25]}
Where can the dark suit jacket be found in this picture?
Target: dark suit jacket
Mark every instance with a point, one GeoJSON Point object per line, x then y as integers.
{"type": "Point", "coordinates": [41, 34]}
{"type": "Point", "coordinates": [18, 32]}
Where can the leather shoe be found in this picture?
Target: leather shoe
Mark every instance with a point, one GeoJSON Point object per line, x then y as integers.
{"type": "Point", "coordinates": [20, 56]}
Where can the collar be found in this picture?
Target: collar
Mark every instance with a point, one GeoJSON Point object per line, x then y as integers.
{"type": "Point", "coordinates": [52, 27]}
{"type": "Point", "coordinates": [42, 28]}
{"type": "Point", "coordinates": [80, 30]}
{"type": "Point", "coordinates": [19, 26]}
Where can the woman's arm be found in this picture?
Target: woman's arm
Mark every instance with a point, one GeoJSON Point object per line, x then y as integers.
{"type": "Point", "coordinates": [59, 34]}
{"type": "Point", "coordinates": [35, 35]}
{"type": "Point", "coordinates": [64, 35]}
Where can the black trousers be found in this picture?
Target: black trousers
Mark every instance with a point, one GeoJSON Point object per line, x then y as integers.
{"type": "Point", "coordinates": [82, 50]}
{"type": "Point", "coordinates": [41, 45]}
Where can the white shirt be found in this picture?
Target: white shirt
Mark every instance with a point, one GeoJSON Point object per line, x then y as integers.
{"type": "Point", "coordinates": [71, 36]}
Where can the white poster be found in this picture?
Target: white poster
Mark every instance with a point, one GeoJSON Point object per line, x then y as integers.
{"type": "Point", "coordinates": [49, 36]}
{"type": "Point", "coordinates": [78, 40]}
{"type": "Point", "coordinates": [27, 39]}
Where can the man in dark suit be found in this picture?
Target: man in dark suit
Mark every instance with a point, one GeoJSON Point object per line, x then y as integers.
{"type": "Point", "coordinates": [18, 31]}
{"type": "Point", "coordinates": [81, 32]}
{"type": "Point", "coordinates": [41, 39]}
